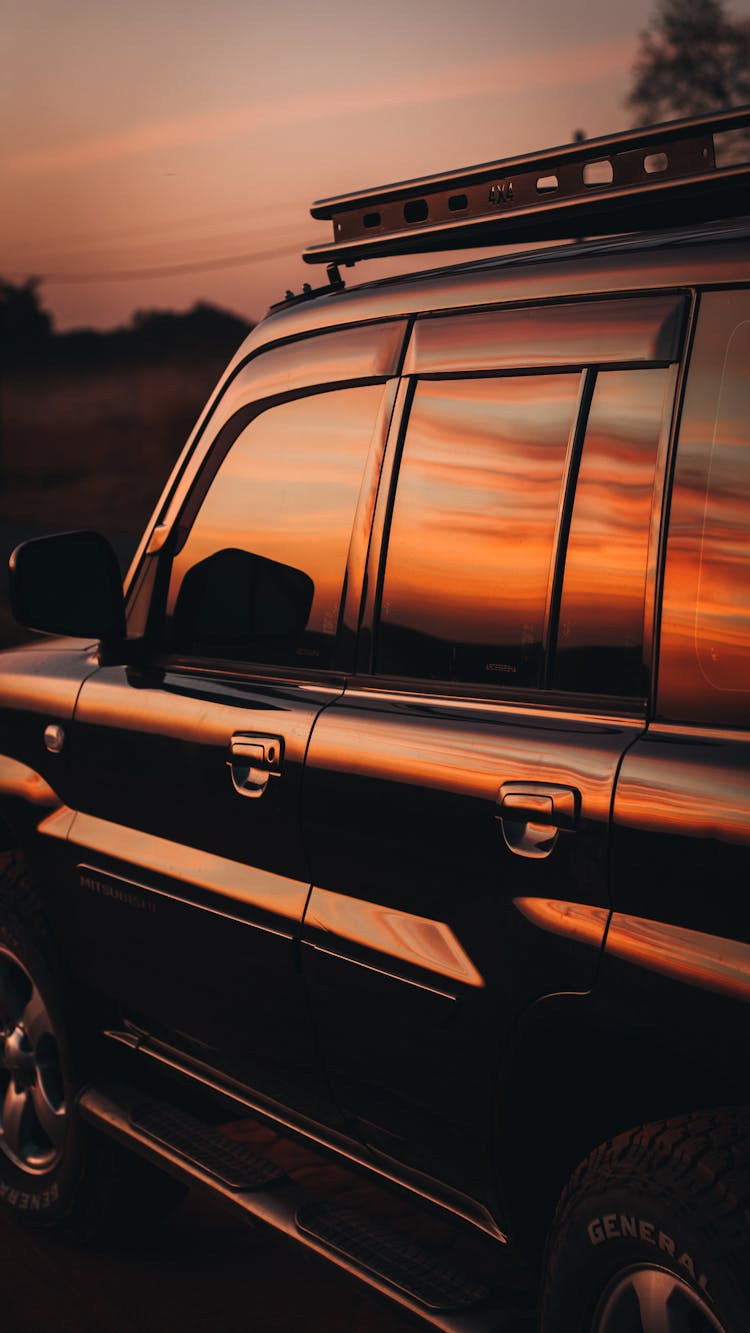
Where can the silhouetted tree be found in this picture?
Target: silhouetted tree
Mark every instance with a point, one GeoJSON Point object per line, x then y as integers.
{"type": "Point", "coordinates": [202, 332]}
{"type": "Point", "coordinates": [692, 59]}
{"type": "Point", "coordinates": [24, 326]}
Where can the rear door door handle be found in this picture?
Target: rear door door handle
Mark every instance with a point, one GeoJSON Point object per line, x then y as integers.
{"type": "Point", "coordinates": [531, 814]}
{"type": "Point", "coordinates": [253, 761]}
{"type": "Point", "coordinates": [540, 803]}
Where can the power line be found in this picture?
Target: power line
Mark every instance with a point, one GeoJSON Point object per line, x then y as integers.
{"type": "Point", "coordinates": [166, 270]}
{"type": "Point", "coordinates": [171, 225]}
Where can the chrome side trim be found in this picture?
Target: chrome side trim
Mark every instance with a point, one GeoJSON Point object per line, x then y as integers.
{"type": "Point", "coordinates": [380, 971]}
{"type": "Point", "coordinates": [574, 921]}
{"type": "Point", "coordinates": [96, 880]}
{"type": "Point", "coordinates": [692, 957]}
{"type": "Point", "coordinates": [417, 941]}
{"type": "Point", "coordinates": [233, 883]}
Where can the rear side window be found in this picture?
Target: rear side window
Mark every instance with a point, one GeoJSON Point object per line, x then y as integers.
{"type": "Point", "coordinates": [470, 553]}
{"type": "Point", "coordinates": [261, 573]}
{"type": "Point", "coordinates": [525, 522]}
{"type": "Point", "coordinates": [705, 648]}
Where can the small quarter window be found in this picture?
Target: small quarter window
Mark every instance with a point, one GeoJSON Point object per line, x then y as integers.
{"type": "Point", "coordinates": [601, 628]}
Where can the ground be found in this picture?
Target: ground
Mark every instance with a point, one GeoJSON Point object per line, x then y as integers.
{"type": "Point", "coordinates": [205, 1272]}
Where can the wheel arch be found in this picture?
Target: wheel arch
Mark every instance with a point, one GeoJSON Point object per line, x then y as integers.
{"type": "Point", "coordinates": [576, 1075]}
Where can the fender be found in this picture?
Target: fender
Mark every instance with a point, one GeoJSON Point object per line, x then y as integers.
{"type": "Point", "coordinates": [647, 1042]}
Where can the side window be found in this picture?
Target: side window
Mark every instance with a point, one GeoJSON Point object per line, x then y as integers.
{"type": "Point", "coordinates": [472, 538]}
{"type": "Point", "coordinates": [705, 643]}
{"type": "Point", "coordinates": [525, 522]}
{"type": "Point", "coordinates": [600, 638]}
{"type": "Point", "coordinates": [261, 572]}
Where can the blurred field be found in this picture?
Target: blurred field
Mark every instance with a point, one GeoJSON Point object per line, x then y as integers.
{"type": "Point", "coordinates": [92, 449]}
{"type": "Point", "coordinates": [92, 424]}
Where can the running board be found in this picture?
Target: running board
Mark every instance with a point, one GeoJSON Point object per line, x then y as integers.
{"type": "Point", "coordinates": [378, 1256]}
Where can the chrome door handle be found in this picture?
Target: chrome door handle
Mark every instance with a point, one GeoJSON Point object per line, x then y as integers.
{"type": "Point", "coordinates": [253, 761]}
{"type": "Point", "coordinates": [531, 814]}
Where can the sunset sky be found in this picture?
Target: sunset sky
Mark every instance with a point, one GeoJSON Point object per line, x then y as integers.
{"type": "Point", "coordinates": [156, 153]}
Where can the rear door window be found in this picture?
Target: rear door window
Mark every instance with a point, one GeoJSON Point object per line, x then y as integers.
{"type": "Point", "coordinates": [524, 529]}
{"type": "Point", "coordinates": [472, 537]}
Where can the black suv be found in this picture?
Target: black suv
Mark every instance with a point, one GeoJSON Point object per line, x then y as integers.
{"type": "Point", "coordinates": [403, 801]}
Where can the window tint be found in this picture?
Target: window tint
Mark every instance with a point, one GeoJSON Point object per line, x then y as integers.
{"type": "Point", "coordinates": [473, 526]}
{"type": "Point", "coordinates": [705, 651]}
{"type": "Point", "coordinates": [261, 573]}
{"type": "Point", "coordinates": [600, 632]}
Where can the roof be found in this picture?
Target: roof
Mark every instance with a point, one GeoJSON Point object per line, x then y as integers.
{"type": "Point", "coordinates": [707, 255]}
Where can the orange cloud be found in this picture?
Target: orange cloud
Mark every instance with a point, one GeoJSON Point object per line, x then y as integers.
{"type": "Point", "coordinates": [582, 64]}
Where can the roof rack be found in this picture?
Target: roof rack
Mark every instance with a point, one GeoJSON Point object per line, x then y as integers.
{"type": "Point", "coordinates": [657, 176]}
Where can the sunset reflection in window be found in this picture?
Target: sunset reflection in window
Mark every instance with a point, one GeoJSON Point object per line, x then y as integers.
{"type": "Point", "coordinates": [600, 637]}
{"type": "Point", "coordinates": [473, 528]}
{"type": "Point", "coordinates": [286, 492]}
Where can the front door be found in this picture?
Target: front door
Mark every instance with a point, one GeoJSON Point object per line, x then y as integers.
{"type": "Point", "coordinates": [191, 874]}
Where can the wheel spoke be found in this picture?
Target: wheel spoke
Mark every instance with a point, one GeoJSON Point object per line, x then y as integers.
{"type": "Point", "coordinates": [35, 1019]}
{"type": "Point", "coordinates": [14, 1106]}
{"type": "Point", "coordinates": [50, 1120]}
{"type": "Point", "coordinates": [655, 1290]}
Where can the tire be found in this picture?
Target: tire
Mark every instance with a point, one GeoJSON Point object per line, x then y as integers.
{"type": "Point", "coordinates": [54, 1170]}
{"type": "Point", "coordinates": [652, 1233]}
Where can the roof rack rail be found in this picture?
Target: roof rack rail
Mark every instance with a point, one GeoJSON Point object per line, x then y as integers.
{"type": "Point", "coordinates": [657, 176]}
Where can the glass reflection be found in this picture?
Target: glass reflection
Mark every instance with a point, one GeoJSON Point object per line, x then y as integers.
{"type": "Point", "coordinates": [722, 636]}
{"type": "Point", "coordinates": [358, 353]}
{"type": "Point", "coordinates": [647, 329]}
{"type": "Point", "coordinates": [705, 653]}
{"type": "Point", "coordinates": [473, 526]}
{"type": "Point", "coordinates": [600, 635]}
{"type": "Point", "coordinates": [277, 517]}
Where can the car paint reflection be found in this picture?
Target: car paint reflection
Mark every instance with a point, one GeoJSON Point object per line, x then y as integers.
{"type": "Point", "coordinates": [268, 898]}
{"type": "Point", "coordinates": [415, 940]}
{"type": "Point", "coordinates": [19, 781]}
{"type": "Point", "coordinates": [692, 957]}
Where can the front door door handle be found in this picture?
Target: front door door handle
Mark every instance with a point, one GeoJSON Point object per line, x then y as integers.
{"type": "Point", "coordinates": [253, 761]}
{"type": "Point", "coordinates": [531, 814]}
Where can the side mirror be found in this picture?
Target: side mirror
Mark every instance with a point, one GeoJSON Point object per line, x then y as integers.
{"type": "Point", "coordinates": [68, 584]}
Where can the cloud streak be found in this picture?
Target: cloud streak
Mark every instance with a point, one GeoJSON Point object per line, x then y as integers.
{"type": "Point", "coordinates": [579, 65]}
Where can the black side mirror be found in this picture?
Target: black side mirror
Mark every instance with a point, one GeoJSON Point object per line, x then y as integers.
{"type": "Point", "coordinates": [68, 584]}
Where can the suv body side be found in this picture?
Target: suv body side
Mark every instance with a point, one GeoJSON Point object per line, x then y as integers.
{"type": "Point", "coordinates": [376, 887]}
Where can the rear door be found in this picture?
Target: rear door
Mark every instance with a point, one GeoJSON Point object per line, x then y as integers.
{"type": "Point", "coordinates": [191, 878]}
{"type": "Point", "coordinates": [457, 796]}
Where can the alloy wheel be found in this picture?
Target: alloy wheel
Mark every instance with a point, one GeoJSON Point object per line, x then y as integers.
{"type": "Point", "coordinates": [33, 1103]}
{"type": "Point", "coordinates": [653, 1300]}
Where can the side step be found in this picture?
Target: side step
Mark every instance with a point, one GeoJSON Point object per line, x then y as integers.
{"type": "Point", "coordinates": [389, 1262]}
